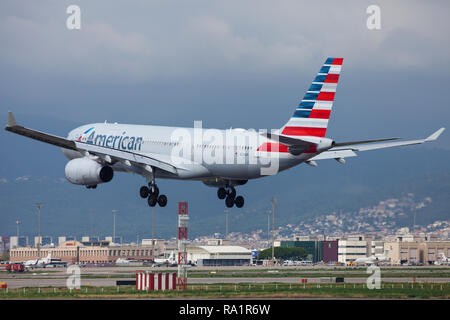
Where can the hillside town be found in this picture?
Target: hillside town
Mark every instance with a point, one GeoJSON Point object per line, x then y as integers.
{"type": "Point", "coordinates": [386, 219]}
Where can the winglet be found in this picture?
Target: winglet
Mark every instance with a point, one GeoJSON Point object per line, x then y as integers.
{"type": "Point", "coordinates": [11, 121]}
{"type": "Point", "coordinates": [435, 135]}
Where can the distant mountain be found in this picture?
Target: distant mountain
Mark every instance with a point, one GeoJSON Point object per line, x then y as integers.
{"type": "Point", "coordinates": [34, 172]}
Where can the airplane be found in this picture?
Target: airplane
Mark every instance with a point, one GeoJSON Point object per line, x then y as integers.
{"type": "Point", "coordinates": [443, 260]}
{"type": "Point", "coordinates": [51, 262]}
{"type": "Point", "coordinates": [223, 159]}
{"type": "Point", "coordinates": [122, 261]}
{"type": "Point", "coordinates": [165, 261]}
{"type": "Point", "coordinates": [372, 259]}
{"type": "Point", "coordinates": [38, 263]}
{"type": "Point", "coordinates": [45, 261]}
{"type": "Point", "coordinates": [31, 263]}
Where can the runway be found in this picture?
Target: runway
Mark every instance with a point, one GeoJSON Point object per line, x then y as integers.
{"type": "Point", "coordinates": [107, 276]}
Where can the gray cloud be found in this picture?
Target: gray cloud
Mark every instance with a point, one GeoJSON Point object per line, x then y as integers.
{"type": "Point", "coordinates": [254, 36]}
{"type": "Point", "coordinates": [172, 62]}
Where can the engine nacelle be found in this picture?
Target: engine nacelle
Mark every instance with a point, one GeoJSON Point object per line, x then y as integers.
{"type": "Point", "coordinates": [88, 172]}
{"type": "Point", "coordinates": [325, 144]}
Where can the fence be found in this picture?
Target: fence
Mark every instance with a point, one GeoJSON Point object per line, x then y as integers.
{"type": "Point", "coordinates": [424, 290]}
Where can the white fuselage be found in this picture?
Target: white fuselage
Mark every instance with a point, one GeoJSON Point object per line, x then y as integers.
{"type": "Point", "coordinates": [371, 260]}
{"type": "Point", "coordinates": [203, 153]}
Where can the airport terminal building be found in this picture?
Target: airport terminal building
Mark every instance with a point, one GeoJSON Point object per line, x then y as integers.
{"type": "Point", "coordinates": [78, 252]}
{"type": "Point", "coordinates": [416, 252]}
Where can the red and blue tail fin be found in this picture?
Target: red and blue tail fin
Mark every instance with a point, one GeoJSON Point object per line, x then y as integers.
{"type": "Point", "coordinates": [312, 115]}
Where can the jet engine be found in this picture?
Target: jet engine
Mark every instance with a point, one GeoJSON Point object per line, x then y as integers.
{"type": "Point", "coordinates": [325, 144]}
{"type": "Point", "coordinates": [88, 172]}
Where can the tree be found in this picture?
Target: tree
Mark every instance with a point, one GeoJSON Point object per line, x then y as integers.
{"type": "Point", "coordinates": [5, 256]}
{"type": "Point", "coordinates": [283, 253]}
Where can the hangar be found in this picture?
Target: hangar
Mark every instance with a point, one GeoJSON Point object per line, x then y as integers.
{"type": "Point", "coordinates": [219, 255]}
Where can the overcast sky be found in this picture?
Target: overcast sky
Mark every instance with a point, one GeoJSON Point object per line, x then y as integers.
{"type": "Point", "coordinates": [228, 63]}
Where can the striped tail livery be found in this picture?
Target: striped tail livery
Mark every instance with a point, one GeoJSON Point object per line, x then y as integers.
{"type": "Point", "coordinates": [312, 114]}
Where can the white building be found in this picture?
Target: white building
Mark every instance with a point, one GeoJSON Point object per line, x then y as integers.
{"type": "Point", "coordinates": [62, 239]}
{"type": "Point", "coordinates": [219, 255]}
{"type": "Point", "coordinates": [417, 252]}
{"type": "Point", "coordinates": [351, 249]}
{"type": "Point", "coordinates": [377, 247]}
{"type": "Point", "coordinates": [218, 242]}
{"type": "Point", "coordinates": [16, 242]}
{"type": "Point", "coordinates": [43, 240]}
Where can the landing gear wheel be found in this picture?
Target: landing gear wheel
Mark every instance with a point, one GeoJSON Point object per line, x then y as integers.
{"type": "Point", "coordinates": [229, 202]}
{"type": "Point", "coordinates": [162, 200]}
{"type": "Point", "coordinates": [239, 201]}
{"type": "Point", "coordinates": [144, 191]}
{"type": "Point", "coordinates": [221, 193]}
{"type": "Point", "coordinates": [152, 200]}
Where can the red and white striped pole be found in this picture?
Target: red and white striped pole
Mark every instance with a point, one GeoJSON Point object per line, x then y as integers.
{"type": "Point", "coordinates": [183, 219]}
{"type": "Point", "coordinates": [150, 281]}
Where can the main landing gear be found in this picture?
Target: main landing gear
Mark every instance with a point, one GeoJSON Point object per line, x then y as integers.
{"type": "Point", "coordinates": [152, 194]}
{"type": "Point", "coordinates": [229, 195]}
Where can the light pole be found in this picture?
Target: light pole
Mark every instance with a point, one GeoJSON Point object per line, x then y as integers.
{"type": "Point", "coordinates": [114, 211]}
{"type": "Point", "coordinates": [226, 223]}
{"type": "Point", "coordinates": [91, 226]}
{"type": "Point", "coordinates": [39, 230]}
{"type": "Point", "coordinates": [17, 224]}
{"type": "Point", "coordinates": [153, 235]}
{"type": "Point", "coordinates": [273, 201]}
{"type": "Point", "coordinates": [269, 212]}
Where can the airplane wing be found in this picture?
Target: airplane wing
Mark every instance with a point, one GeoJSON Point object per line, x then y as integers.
{"type": "Point", "coordinates": [127, 157]}
{"type": "Point", "coordinates": [307, 141]}
{"type": "Point", "coordinates": [103, 153]}
{"type": "Point", "coordinates": [347, 149]}
{"type": "Point", "coordinates": [12, 126]}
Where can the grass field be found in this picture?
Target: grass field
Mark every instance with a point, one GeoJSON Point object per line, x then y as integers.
{"type": "Point", "coordinates": [358, 273]}
{"type": "Point", "coordinates": [267, 290]}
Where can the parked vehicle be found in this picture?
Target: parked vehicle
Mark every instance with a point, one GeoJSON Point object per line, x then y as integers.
{"type": "Point", "coordinates": [15, 267]}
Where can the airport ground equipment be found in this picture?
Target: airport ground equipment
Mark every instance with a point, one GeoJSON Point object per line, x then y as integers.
{"type": "Point", "coordinates": [15, 267]}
